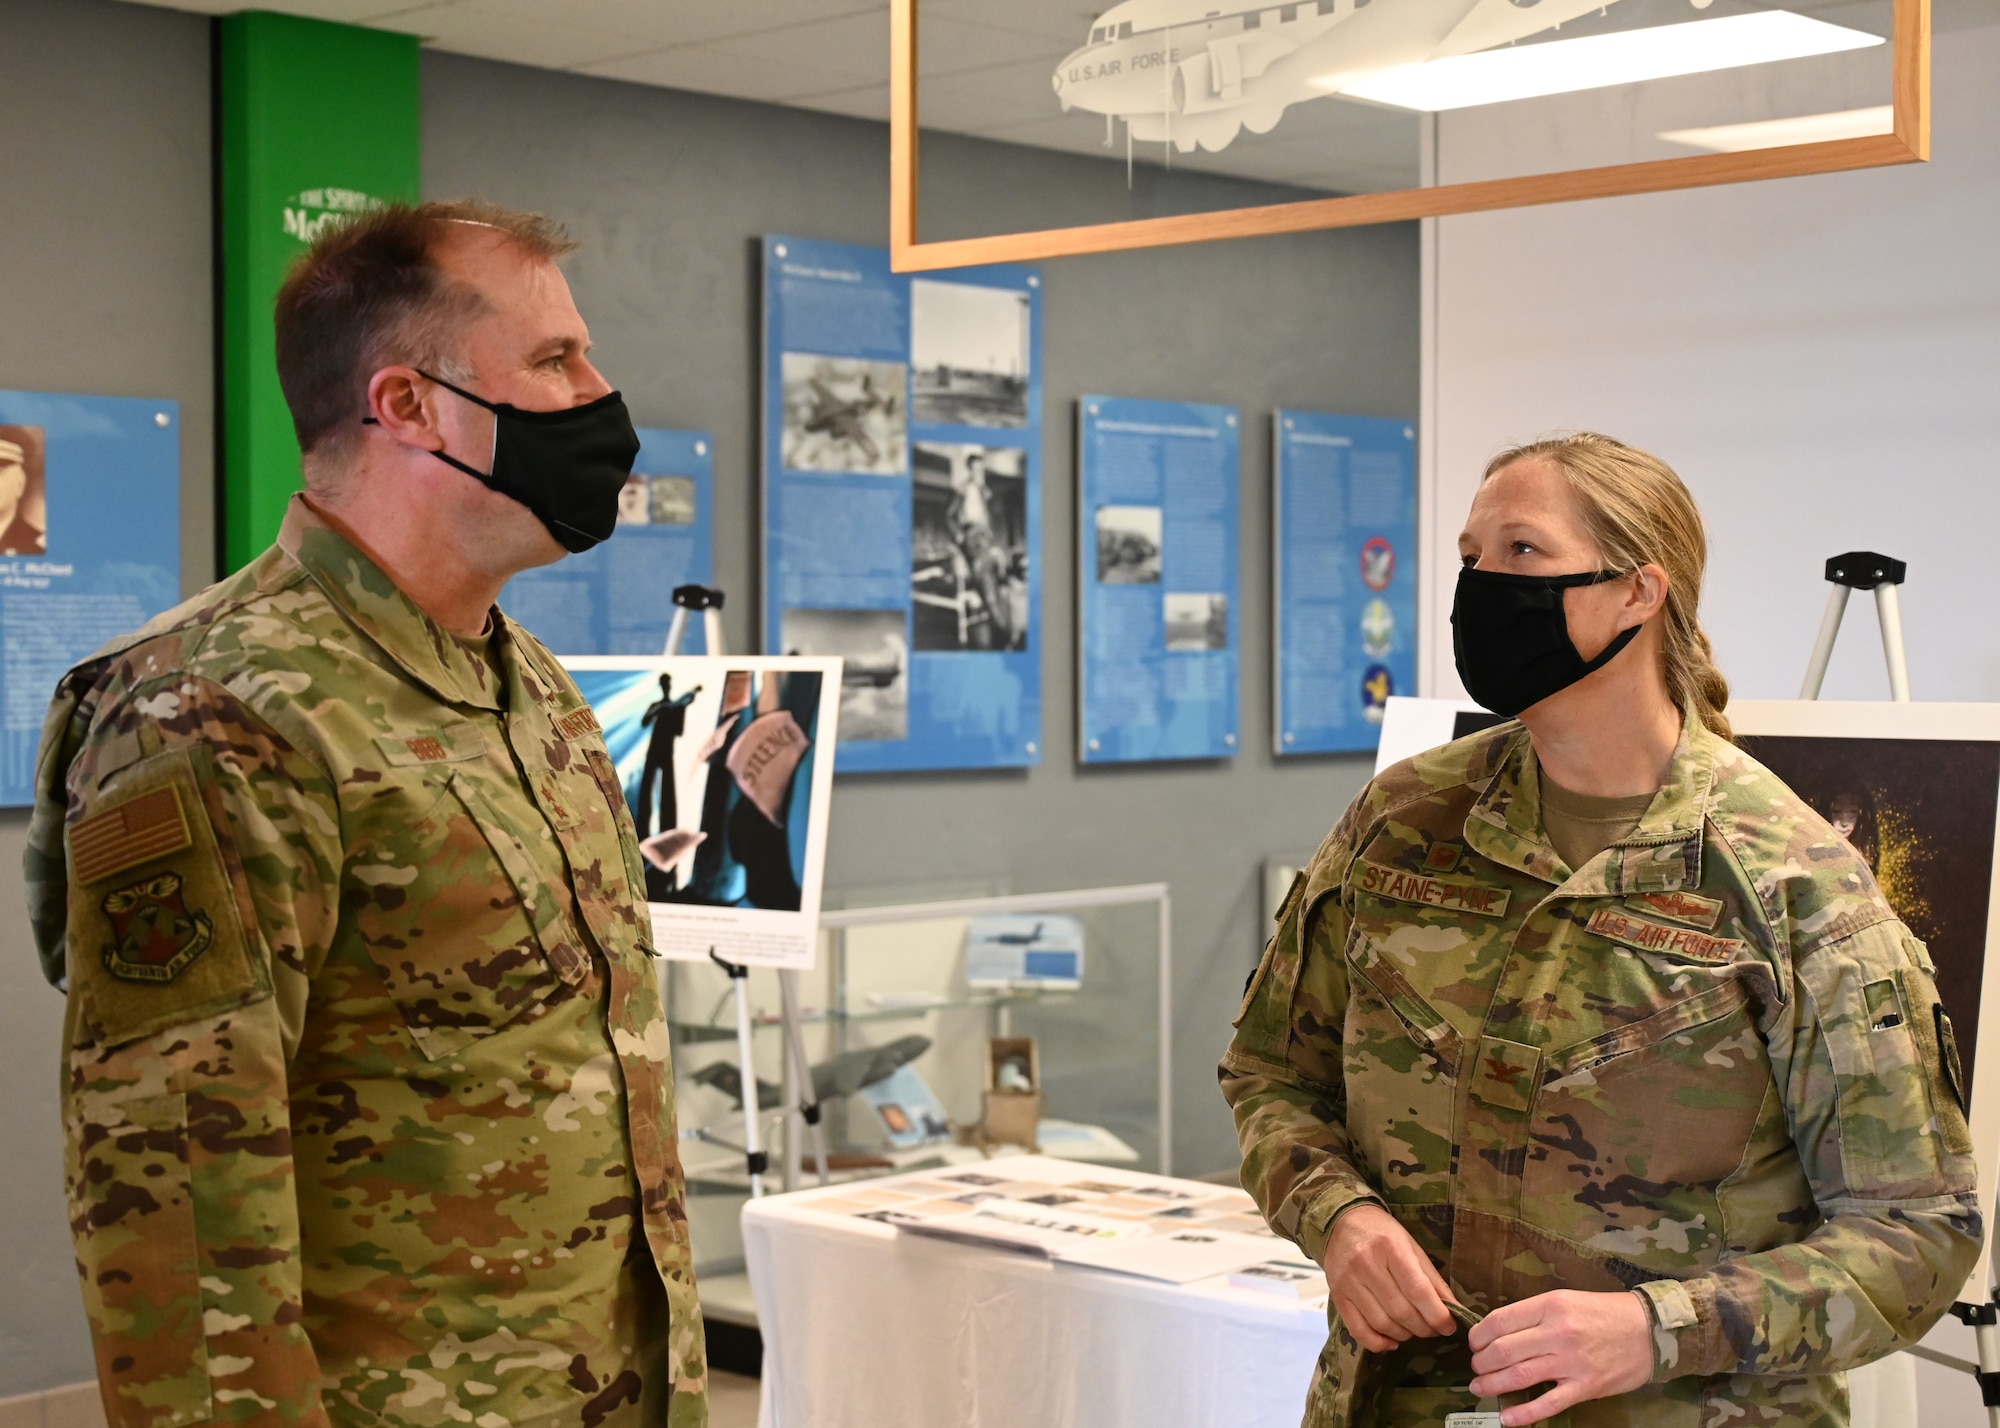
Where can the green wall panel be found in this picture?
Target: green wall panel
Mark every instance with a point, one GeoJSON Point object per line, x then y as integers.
{"type": "Point", "coordinates": [313, 120]}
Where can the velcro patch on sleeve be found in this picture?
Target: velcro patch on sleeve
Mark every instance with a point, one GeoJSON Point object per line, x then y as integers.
{"type": "Point", "coordinates": [1449, 894]}
{"type": "Point", "coordinates": [1645, 935]}
{"type": "Point", "coordinates": [127, 834]}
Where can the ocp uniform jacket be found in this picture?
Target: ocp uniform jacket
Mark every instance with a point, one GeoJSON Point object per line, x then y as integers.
{"type": "Point", "coordinates": [1710, 1065]}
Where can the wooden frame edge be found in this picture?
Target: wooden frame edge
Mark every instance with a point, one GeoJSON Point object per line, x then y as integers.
{"type": "Point", "coordinates": [1909, 143]}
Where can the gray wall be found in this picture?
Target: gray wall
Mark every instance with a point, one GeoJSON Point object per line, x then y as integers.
{"type": "Point", "coordinates": [105, 256]}
{"type": "Point", "coordinates": [668, 192]}
{"type": "Point", "coordinates": [104, 288]}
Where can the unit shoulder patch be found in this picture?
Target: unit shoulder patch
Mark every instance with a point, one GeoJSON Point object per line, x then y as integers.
{"type": "Point", "coordinates": [1645, 935]}
{"type": "Point", "coordinates": [155, 934]}
{"type": "Point", "coordinates": [1449, 894]}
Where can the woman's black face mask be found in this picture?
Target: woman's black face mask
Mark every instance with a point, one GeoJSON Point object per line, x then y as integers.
{"type": "Point", "coordinates": [567, 466]}
{"type": "Point", "coordinates": [1511, 637]}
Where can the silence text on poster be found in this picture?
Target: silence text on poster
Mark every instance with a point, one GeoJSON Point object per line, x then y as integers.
{"type": "Point", "coordinates": [726, 765]}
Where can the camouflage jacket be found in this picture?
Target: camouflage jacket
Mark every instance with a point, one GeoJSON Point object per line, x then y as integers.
{"type": "Point", "coordinates": [1709, 1065]}
{"type": "Point", "coordinates": [369, 1111]}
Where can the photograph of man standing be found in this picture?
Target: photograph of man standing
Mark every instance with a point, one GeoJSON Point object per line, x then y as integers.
{"type": "Point", "coordinates": [369, 1106]}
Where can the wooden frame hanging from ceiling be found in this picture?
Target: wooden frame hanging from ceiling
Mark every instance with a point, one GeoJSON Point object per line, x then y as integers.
{"type": "Point", "coordinates": [1909, 143]}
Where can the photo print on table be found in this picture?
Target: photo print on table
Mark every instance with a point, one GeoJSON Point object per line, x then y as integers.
{"type": "Point", "coordinates": [844, 414]}
{"type": "Point", "coordinates": [1197, 622]}
{"type": "Point", "coordinates": [24, 499]}
{"type": "Point", "coordinates": [1128, 545]}
{"type": "Point", "coordinates": [969, 350]}
{"type": "Point", "coordinates": [969, 547]}
{"type": "Point", "coordinates": [875, 688]}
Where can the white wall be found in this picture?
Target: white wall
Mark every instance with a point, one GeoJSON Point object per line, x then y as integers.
{"type": "Point", "coordinates": [1818, 357]}
{"type": "Point", "coordinates": [1820, 360]}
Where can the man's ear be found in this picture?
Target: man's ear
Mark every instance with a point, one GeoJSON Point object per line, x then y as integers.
{"type": "Point", "coordinates": [401, 402]}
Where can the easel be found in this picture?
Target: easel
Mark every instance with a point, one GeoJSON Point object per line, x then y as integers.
{"type": "Point", "coordinates": [1868, 570]}
{"type": "Point", "coordinates": [804, 1113]}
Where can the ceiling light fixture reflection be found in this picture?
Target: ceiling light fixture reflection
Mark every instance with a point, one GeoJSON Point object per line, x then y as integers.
{"type": "Point", "coordinates": [1597, 61]}
{"type": "Point", "coordinates": [1776, 133]}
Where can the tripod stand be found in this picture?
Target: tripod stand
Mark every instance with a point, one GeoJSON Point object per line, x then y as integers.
{"type": "Point", "coordinates": [1868, 570]}
{"type": "Point", "coordinates": [804, 1114]}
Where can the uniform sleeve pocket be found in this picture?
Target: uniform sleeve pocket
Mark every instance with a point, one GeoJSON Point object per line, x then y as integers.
{"type": "Point", "coordinates": [158, 906]}
{"type": "Point", "coordinates": [132, 1213]}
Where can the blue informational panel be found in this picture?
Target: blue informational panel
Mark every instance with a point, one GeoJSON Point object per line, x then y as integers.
{"type": "Point", "coordinates": [903, 500]}
{"type": "Point", "coordinates": [617, 598]}
{"type": "Point", "coordinates": [90, 546]}
{"type": "Point", "coordinates": [1157, 519]}
{"type": "Point", "coordinates": [1344, 577]}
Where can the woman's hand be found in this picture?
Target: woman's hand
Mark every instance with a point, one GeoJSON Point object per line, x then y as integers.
{"type": "Point", "coordinates": [1587, 1345]}
{"type": "Point", "coordinates": [1384, 1285]}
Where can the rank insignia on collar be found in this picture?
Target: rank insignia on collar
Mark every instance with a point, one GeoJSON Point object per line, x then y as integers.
{"type": "Point", "coordinates": [155, 935]}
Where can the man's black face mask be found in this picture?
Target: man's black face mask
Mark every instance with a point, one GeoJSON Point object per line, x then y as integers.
{"type": "Point", "coordinates": [1511, 638]}
{"type": "Point", "coordinates": [566, 466]}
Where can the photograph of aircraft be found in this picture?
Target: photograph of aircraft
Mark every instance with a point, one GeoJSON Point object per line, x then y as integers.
{"type": "Point", "coordinates": [843, 1075]}
{"type": "Point", "coordinates": [1196, 73]}
{"type": "Point", "coordinates": [845, 414]}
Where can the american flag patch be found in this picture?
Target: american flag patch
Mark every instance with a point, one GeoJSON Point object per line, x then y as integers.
{"type": "Point", "coordinates": [149, 826]}
{"type": "Point", "coordinates": [577, 723]}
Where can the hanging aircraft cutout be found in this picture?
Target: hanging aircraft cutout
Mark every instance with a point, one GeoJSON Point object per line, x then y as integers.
{"type": "Point", "coordinates": [1185, 73]}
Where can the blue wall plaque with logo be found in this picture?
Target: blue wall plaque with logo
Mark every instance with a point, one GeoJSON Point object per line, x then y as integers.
{"type": "Point", "coordinates": [1344, 577]}
{"type": "Point", "coordinates": [617, 598]}
{"type": "Point", "coordinates": [1157, 522]}
{"type": "Point", "coordinates": [90, 535]}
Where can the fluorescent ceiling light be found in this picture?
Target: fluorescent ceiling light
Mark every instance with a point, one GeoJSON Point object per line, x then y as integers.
{"type": "Point", "coordinates": [1776, 133]}
{"type": "Point", "coordinates": [1597, 61]}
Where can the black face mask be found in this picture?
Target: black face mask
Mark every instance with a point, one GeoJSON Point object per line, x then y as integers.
{"type": "Point", "coordinates": [1511, 638]}
{"type": "Point", "coordinates": [566, 466]}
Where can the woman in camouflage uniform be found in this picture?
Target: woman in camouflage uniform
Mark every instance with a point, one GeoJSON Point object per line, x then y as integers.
{"type": "Point", "coordinates": [1585, 1032]}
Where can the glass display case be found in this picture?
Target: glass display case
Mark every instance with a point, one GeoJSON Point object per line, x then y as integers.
{"type": "Point", "coordinates": [898, 1017]}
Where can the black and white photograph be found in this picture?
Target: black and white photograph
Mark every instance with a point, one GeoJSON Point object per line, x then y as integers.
{"type": "Point", "coordinates": [845, 414]}
{"type": "Point", "coordinates": [1197, 622]}
{"type": "Point", "coordinates": [1128, 545]}
{"type": "Point", "coordinates": [670, 500]}
{"type": "Point", "coordinates": [875, 687]}
{"type": "Point", "coordinates": [969, 547]}
{"type": "Point", "coordinates": [24, 502]}
{"type": "Point", "coordinates": [969, 346]}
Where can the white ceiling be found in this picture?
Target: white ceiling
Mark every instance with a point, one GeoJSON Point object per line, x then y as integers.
{"type": "Point", "coordinates": [986, 66]}
{"type": "Point", "coordinates": [833, 56]}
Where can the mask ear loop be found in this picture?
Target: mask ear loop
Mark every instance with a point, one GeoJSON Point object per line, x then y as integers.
{"type": "Point", "coordinates": [484, 477]}
{"type": "Point", "coordinates": [1618, 641]}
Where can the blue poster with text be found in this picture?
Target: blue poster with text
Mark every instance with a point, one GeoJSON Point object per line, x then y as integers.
{"type": "Point", "coordinates": [903, 500]}
{"type": "Point", "coordinates": [1344, 577]}
{"type": "Point", "coordinates": [617, 598]}
{"type": "Point", "coordinates": [1157, 523]}
{"type": "Point", "coordinates": [90, 546]}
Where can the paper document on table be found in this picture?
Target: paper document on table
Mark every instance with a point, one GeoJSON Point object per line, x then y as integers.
{"type": "Point", "coordinates": [1176, 1256]}
{"type": "Point", "coordinates": [1288, 1279]}
{"type": "Point", "coordinates": [1021, 1227]}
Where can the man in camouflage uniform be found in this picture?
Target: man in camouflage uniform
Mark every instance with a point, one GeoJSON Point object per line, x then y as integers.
{"type": "Point", "coordinates": [369, 1107]}
{"type": "Point", "coordinates": [1709, 1066]}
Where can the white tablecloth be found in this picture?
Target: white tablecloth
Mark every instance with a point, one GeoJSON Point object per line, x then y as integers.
{"type": "Point", "coordinates": [865, 1326]}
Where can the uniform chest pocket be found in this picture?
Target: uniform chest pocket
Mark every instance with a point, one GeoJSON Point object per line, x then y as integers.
{"type": "Point", "coordinates": [465, 921]}
{"type": "Point", "coordinates": [1633, 1131]}
{"type": "Point", "coordinates": [1400, 1058]}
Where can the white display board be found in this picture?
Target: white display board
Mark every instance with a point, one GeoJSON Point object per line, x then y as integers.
{"type": "Point", "coordinates": [726, 764]}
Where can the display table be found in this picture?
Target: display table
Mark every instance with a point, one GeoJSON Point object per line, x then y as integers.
{"type": "Point", "coordinates": [866, 1325]}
